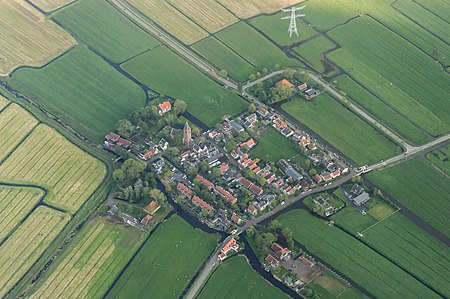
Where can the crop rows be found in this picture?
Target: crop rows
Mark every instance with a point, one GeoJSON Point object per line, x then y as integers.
{"type": "Point", "coordinates": [50, 5]}
{"type": "Point", "coordinates": [3, 102]}
{"type": "Point", "coordinates": [28, 242]}
{"type": "Point", "coordinates": [47, 158]}
{"type": "Point", "coordinates": [437, 7]}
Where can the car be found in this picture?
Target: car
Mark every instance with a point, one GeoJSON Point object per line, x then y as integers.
{"type": "Point", "coordinates": [234, 231]}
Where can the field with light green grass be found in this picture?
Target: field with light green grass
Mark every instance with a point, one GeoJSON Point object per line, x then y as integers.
{"type": "Point", "coordinates": [441, 158]}
{"type": "Point", "coordinates": [312, 51]}
{"type": "Point", "coordinates": [272, 146]}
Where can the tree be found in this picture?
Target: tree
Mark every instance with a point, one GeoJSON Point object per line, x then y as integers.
{"type": "Point", "coordinates": [243, 136]}
{"type": "Point", "coordinates": [119, 176]}
{"type": "Point", "coordinates": [195, 131]}
{"type": "Point", "coordinates": [312, 172]}
{"type": "Point", "coordinates": [252, 108]}
{"type": "Point", "coordinates": [276, 66]}
{"type": "Point", "coordinates": [124, 127]}
{"type": "Point", "coordinates": [132, 168]}
{"type": "Point", "coordinates": [157, 195]}
{"type": "Point", "coordinates": [307, 163]}
{"type": "Point", "coordinates": [223, 73]}
{"type": "Point", "coordinates": [258, 74]}
{"type": "Point", "coordinates": [124, 154]}
{"type": "Point", "coordinates": [215, 173]}
{"type": "Point", "coordinates": [230, 145]}
{"type": "Point", "coordinates": [179, 106]}
{"type": "Point", "coordinates": [265, 71]}
{"type": "Point", "coordinates": [289, 74]}
{"type": "Point", "coordinates": [262, 181]}
{"type": "Point", "coordinates": [252, 77]}
{"type": "Point", "coordinates": [356, 179]}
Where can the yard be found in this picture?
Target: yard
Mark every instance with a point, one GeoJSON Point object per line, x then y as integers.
{"type": "Point", "coordinates": [441, 158]}
{"type": "Point", "coordinates": [83, 90]}
{"type": "Point", "coordinates": [272, 146]}
{"type": "Point", "coordinates": [313, 50]}
{"type": "Point", "coordinates": [166, 263]}
{"type": "Point", "coordinates": [341, 128]}
{"type": "Point", "coordinates": [236, 279]}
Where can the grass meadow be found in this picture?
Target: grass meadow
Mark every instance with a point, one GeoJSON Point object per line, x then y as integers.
{"type": "Point", "coordinates": [341, 128]}
{"type": "Point", "coordinates": [114, 36]}
{"type": "Point", "coordinates": [272, 146]}
{"type": "Point", "coordinates": [436, 7]}
{"type": "Point", "coordinates": [312, 51]}
{"type": "Point", "coordinates": [167, 73]}
{"type": "Point", "coordinates": [352, 258]}
{"type": "Point", "coordinates": [50, 5]}
{"type": "Point", "coordinates": [235, 278]}
{"type": "Point", "coordinates": [420, 188]}
{"type": "Point", "coordinates": [166, 263]}
{"type": "Point", "coordinates": [441, 158]}
{"type": "Point", "coordinates": [250, 8]}
{"type": "Point", "coordinates": [83, 90]}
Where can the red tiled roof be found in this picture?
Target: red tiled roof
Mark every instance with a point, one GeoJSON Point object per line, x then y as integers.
{"type": "Point", "coordinates": [232, 244]}
{"type": "Point", "coordinates": [227, 195]}
{"type": "Point", "coordinates": [199, 202]}
{"type": "Point", "coordinates": [165, 106]}
{"type": "Point", "coordinates": [146, 219]}
{"type": "Point", "coordinates": [303, 86]}
{"type": "Point", "coordinates": [205, 182]}
{"type": "Point", "coordinates": [152, 207]}
{"type": "Point", "coordinates": [244, 182]}
{"type": "Point", "coordinates": [113, 137]}
{"type": "Point", "coordinates": [183, 188]}
{"type": "Point", "coordinates": [283, 82]}
{"type": "Point", "coordinates": [307, 262]}
{"type": "Point", "coordinates": [124, 142]}
{"type": "Point", "coordinates": [223, 168]}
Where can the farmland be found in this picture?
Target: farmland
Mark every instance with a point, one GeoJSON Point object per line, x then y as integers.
{"type": "Point", "coordinates": [3, 102]}
{"type": "Point", "coordinates": [269, 145]}
{"type": "Point", "coordinates": [441, 158]}
{"type": "Point", "coordinates": [236, 279]}
{"type": "Point", "coordinates": [352, 258]}
{"type": "Point", "coordinates": [382, 111]}
{"type": "Point", "coordinates": [436, 8]}
{"type": "Point", "coordinates": [15, 204]}
{"type": "Point", "coordinates": [411, 83]}
{"type": "Point", "coordinates": [352, 220]}
{"type": "Point", "coordinates": [27, 243]}
{"type": "Point", "coordinates": [95, 259]}
{"type": "Point", "coordinates": [165, 72]}
{"type": "Point", "coordinates": [83, 90]}
{"type": "Point", "coordinates": [48, 159]}
{"type": "Point", "coordinates": [166, 263]}
{"type": "Point", "coordinates": [250, 8]}
{"type": "Point", "coordinates": [28, 38]}
{"type": "Point", "coordinates": [312, 52]}
{"type": "Point", "coordinates": [414, 184]}
{"type": "Point", "coordinates": [50, 5]}
{"type": "Point", "coordinates": [253, 47]}
{"type": "Point", "coordinates": [342, 129]}
{"type": "Point", "coordinates": [114, 36]}
{"type": "Point", "coordinates": [224, 58]}
{"type": "Point", "coordinates": [15, 124]}
{"type": "Point", "coordinates": [324, 14]}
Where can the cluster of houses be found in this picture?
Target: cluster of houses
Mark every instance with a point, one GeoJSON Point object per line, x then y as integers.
{"type": "Point", "coordinates": [229, 247]}
{"type": "Point", "coordinates": [113, 139]}
{"type": "Point", "coordinates": [201, 152]}
{"type": "Point", "coordinates": [115, 213]}
{"type": "Point", "coordinates": [309, 93]}
{"type": "Point", "coordinates": [197, 201]}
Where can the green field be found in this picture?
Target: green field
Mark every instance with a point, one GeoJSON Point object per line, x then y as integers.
{"type": "Point", "coordinates": [352, 258]}
{"type": "Point", "coordinates": [83, 90]}
{"type": "Point", "coordinates": [380, 110]}
{"type": "Point", "coordinates": [236, 279]}
{"type": "Point", "coordinates": [224, 58]}
{"type": "Point", "coordinates": [420, 188]}
{"type": "Point", "coordinates": [164, 71]}
{"type": "Point", "coordinates": [352, 220]}
{"type": "Point", "coordinates": [166, 263]}
{"type": "Point", "coordinates": [276, 29]}
{"type": "Point", "coordinates": [312, 51]}
{"type": "Point", "coordinates": [411, 83]}
{"type": "Point", "coordinates": [256, 49]}
{"type": "Point", "coordinates": [341, 128]}
{"type": "Point", "coordinates": [330, 286]}
{"type": "Point", "coordinates": [272, 146]}
{"type": "Point", "coordinates": [95, 258]}
{"type": "Point", "coordinates": [114, 36]}
{"type": "Point", "coordinates": [441, 158]}
{"type": "Point", "coordinates": [324, 14]}
{"type": "Point", "coordinates": [436, 7]}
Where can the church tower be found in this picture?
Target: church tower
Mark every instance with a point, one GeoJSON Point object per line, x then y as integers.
{"type": "Point", "coordinates": [187, 134]}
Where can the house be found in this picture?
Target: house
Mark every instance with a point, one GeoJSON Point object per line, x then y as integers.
{"type": "Point", "coordinates": [163, 144]}
{"type": "Point", "coordinates": [186, 191]}
{"type": "Point", "coordinates": [112, 138]}
{"type": "Point", "coordinates": [224, 168]}
{"type": "Point", "coordinates": [252, 210]}
{"type": "Point", "coordinates": [249, 143]}
{"type": "Point", "coordinates": [361, 199]}
{"type": "Point", "coordinates": [230, 245]}
{"type": "Point", "coordinates": [287, 132]}
{"type": "Point", "coordinates": [164, 107]}
{"type": "Point", "coordinates": [145, 155]}
{"type": "Point", "coordinates": [271, 261]}
{"type": "Point", "coordinates": [202, 204]}
{"type": "Point", "coordinates": [308, 263]}
{"type": "Point", "coordinates": [205, 182]}
{"type": "Point", "coordinates": [222, 256]}
{"type": "Point", "coordinates": [124, 143]}
{"type": "Point", "coordinates": [356, 190]}
{"type": "Point", "coordinates": [262, 111]}
{"type": "Point", "coordinates": [310, 93]}
{"type": "Point", "coordinates": [227, 195]}
{"type": "Point", "coordinates": [302, 86]}
{"type": "Point", "coordinates": [234, 154]}
{"type": "Point", "coordinates": [236, 219]}
{"type": "Point", "coordinates": [280, 252]}
{"type": "Point", "coordinates": [152, 207]}
{"type": "Point", "coordinates": [250, 186]}
{"type": "Point", "coordinates": [236, 126]}
{"type": "Point", "coordinates": [284, 82]}
{"type": "Point", "coordinates": [146, 219]}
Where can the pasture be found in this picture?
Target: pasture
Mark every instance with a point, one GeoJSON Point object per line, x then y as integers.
{"type": "Point", "coordinates": [352, 258]}
{"type": "Point", "coordinates": [223, 57]}
{"type": "Point", "coordinates": [352, 220]}
{"type": "Point", "coordinates": [235, 278]}
{"type": "Point", "coordinates": [114, 36]}
{"type": "Point", "coordinates": [413, 249]}
{"type": "Point", "coordinates": [411, 83]}
{"type": "Point", "coordinates": [436, 7]}
{"type": "Point", "coordinates": [48, 159]}
{"type": "Point", "coordinates": [166, 263]}
{"type": "Point", "coordinates": [93, 261]}
{"type": "Point", "coordinates": [420, 188]}
{"type": "Point", "coordinates": [50, 5]}
{"type": "Point", "coordinates": [28, 37]}
{"type": "Point", "coordinates": [83, 90]}
{"type": "Point", "coordinates": [15, 124]}
{"type": "Point", "coordinates": [441, 158]}
{"type": "Point", "coordinates": [15, 204]}
{"type": "Point", "coordinates": [381, 110]}
{"type": "Point", "coordinates": [3, 102]}
{"type": "Point", "coordinates": [342, 129]}
{"type": "Point", "coordinates": [167, 73]}
{"type": "Point", "coordinates": [171, 19]}
{"type": "Point", "coordinates": [24, 247]}
{"type": "Point", "coordinates": [254, 47]}
{"type": "Point", "coordinates": [325, 14]}
{"type": "Point", "coordinates": [272, 146]}
{"type": "Point", "coordinates": [312, 51]}
{"type": "Point", "coordinates": [250, 8]}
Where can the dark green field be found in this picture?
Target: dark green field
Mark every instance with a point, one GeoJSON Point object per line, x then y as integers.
{"type": "Point", "coordinates": [166, 263]}
{"type": "Point", "coordinates": [83, 90]}
{"type": "Point", "coordinates": [441, 158]}
{"type": "Point", "coordinates": [272, 146]}
{"type": "Point", "coordinates": [164, 71]}
{"type": "Point", "coordinates": [236, 279]}
{"type": "Point", "coordinates": [312, 51]}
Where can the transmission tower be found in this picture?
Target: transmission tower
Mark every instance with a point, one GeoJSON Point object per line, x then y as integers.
{"type": "Point", "coordinates": [293, 17]}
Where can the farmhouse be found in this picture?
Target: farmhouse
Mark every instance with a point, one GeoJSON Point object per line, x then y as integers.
{"type": "Point", "coordinates": [303, 86]}
{"type": "Point", "coordinates": [164, 107]}
{"type": "Point", "coordinates": [230, 245]}
{"type": "Point", "coordinates": [272, 262]}
{"type": "Point", "coordinates": [358, 195]}
{"type": "Point", "coordinates": [152, 207]}
{"type": "Point", "coordinates": [124, 143]}
{"type": "Point", "coordinates": [280, 252]}
{"type": "Point", "coordinates": [146, 219]}
{"type": "Point", "coordinates": [284, 82]}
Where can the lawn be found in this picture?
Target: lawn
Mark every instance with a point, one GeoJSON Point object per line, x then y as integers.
{"type": "Point", "coordinates": [341, 128]}
{"type": "Point", "coordinates": [164, 71]}
{"type": "Point", "coordinates": [272, 146]}
{"type": "Point", "coordinates": [235, 278]}
{"type": "Point", "coordinates": [48, 159]}
{"type": "Point", "coordinates": [352, 258]}
{"type": "Point", "coordinates": [312, 51]}
{"type": "Point", "coordinates": [254, 47]}
{"type": "Point", "coordinates": [250, 8]}
{"type": "Point", "coordinates": [28, 37]}
{"type": "Point", "coordinates": [93, 261]}
{"type": "Point", "coordinates": [277, 29]}
{"type": "Point", "coordinates": [420, 188]}
{"type": "Point", "coordinates": [381, 211]}
{"type": "Point", "coordinates": [15, 204]}
{"type": "Point", "coordinates": [166, 263]}
{"type": "Point", "coordinates": [329, 286]}
{"type": "Point", "coordinates": [441, 158]}
{"type": "Point", "coordinates": [375, 106]}
{"type": "Point", "coordinates": [83, 90]}
{"type": "Point", "coordinates": [411, 83]}
{"type": "Point", "coordinates": [20, 251]}
{"type": "Point", "coordinates": [413, 249]}
{"type": "Point", "coordinates": [114, 36]}
{"type": "Point", "coordinates": [50, 5]}
{"type": "Point", "coordinates": [224, 58]}
{"type": "Point", "coordinates": [352, 220]}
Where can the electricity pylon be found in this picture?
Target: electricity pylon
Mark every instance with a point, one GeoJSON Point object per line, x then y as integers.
{"type": "Point", "coordinates": [293, 17]}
